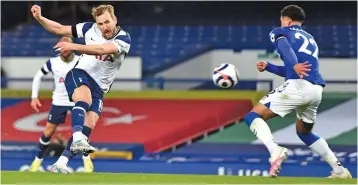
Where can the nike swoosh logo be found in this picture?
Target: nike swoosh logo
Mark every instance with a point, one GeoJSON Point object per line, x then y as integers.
{"type": "Point", "coordinates": [92, 39]}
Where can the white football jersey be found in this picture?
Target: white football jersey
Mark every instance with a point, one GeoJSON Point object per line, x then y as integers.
{"type": "Point", "coordinates": [102, 69]}
{"type": "Point", "coordinates": [59, 70]}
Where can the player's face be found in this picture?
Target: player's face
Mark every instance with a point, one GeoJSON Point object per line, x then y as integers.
{"type": "Point", "coordinates": [107, 24]}
{"type": "Point", "coordinates": [285, 21]}
{"type": "Point", "coordinates": [66, 54]}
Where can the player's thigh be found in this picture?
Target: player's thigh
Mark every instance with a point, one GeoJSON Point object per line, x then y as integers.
{"type": "Point", "coordinates": [308, 113]}
{"type": "Point", "coordinates": [282, 100]}
{"type": "Point", "coordinates": [78, 86]}
{"type": "Point", "coordinates": [94, 112]}
{"type": "Point", "coordinates": [82, 93]}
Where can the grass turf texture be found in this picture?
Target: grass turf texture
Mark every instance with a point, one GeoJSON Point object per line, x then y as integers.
{"type": "Point", "coordinates": [9, 177]}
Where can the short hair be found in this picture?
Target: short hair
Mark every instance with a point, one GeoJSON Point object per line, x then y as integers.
{"type": "Point", "coordinates": [99, 10]}
{"type": "Point", "coordinates": [294, 12]}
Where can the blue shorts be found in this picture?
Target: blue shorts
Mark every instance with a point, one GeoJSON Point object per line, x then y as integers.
{"type": "Point", "coordinates": [58, 114]}
{"type": "Point", "coordinates": [77, 77]}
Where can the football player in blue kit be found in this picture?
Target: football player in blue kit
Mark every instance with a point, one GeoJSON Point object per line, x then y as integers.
{"type": "Point", "coordinates": [301, 91]}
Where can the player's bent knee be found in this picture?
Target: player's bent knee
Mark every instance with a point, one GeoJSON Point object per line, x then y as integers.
{"type": "Point", "coordinates": [303, 127]}
{"type": "Point", "coordinates": [250, 117]}
{"type": "Point", "coordinates": [264, 112]}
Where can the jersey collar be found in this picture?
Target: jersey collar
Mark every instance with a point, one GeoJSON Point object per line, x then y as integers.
{"type": "Point", "coordinates": [295, 26]}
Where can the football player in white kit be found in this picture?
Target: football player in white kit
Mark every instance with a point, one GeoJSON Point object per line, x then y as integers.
{"type": "Point", "coordinates": [106, 48]}
{"type": "Point", "coordinates": [59, 67]}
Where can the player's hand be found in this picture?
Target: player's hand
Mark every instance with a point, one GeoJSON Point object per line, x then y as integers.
{"type": "Point", "coordinates": [302, 68]}
{"type": "Point", "coordinates": [35, 104]}
{"type": "Point", "coordinates": [63, 46]}
{"type": "Point", "coordinates": [261, 66]}
{"type": "Point", "coordinates": [36, 11]}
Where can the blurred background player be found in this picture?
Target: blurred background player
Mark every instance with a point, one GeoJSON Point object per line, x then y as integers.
{"type": "Point", "coordinates": [59, 67]}
{"type": "Point", "coordinates": [302, 91]}
{"type": "Point", "coordinates": [106, 48]}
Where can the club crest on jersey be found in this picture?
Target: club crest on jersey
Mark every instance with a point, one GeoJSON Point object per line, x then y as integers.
{"type": "Point", "coordinates": [104, 58]}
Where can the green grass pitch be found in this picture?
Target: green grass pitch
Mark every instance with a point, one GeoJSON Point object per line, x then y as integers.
{"type": "Point", "coordinates": [9, 177]}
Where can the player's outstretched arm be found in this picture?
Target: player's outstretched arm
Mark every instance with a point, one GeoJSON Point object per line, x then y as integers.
{"type": "Point", "coordinates": [118, 45]}
{"type": "Point", "coordinates": [278, 70]}
{"type": "Point", "coordinates": [49, 25]}
{"type": "Point", "coordinates": [96, 49]}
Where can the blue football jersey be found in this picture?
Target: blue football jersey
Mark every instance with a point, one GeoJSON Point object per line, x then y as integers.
{"type": "Point", "coordinates": [305, 48]}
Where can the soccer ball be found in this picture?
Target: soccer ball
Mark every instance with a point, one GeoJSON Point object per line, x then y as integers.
{"type": "Point", "coordinates": [225, 76]}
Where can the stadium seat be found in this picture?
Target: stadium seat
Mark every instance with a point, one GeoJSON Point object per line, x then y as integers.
{"type": "Point", "coordinates": [164, 46]}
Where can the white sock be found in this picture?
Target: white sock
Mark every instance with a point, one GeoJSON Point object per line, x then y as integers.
{"type": "Point", "coordinates": [262, 131]}
{"type": "Point", "coordinates": [62, 160]}
{"type": "Point", "coordinates": [77, 136]}
{"type": "Point", "coordinates": [321, 147]}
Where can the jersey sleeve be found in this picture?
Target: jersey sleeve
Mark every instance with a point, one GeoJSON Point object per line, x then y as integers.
{"type": "Point", "coordinates": [123, 43]}
{"type": "Point", "coordinates": [277, 34]}
{"type": "Point", "coordinates": [36, 82]}
{"type": "Point", "coordinates": [279, 38]}
{"type": "Point", "coordinates": [79, 30]}
{"type": "Point", "coordinates": [47, 67]}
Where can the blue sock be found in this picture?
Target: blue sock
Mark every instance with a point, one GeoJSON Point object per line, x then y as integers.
{"type": "Point", "coordinates": [42, 146]}
{"type": "Point", "coordinates": [87, 132]}
{"type": "Point", "coordinates": [308, 139]}
{"type": "Point", "coordinates": [67, 152]}
{"type": "Point", "coordinates": [78, 115]}
{"type": "Point", "coordinates": [250, 117]}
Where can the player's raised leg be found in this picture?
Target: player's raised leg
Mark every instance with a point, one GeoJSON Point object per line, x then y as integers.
{"type": "Point", "coordinates": [83, 100]}
{"type": "Point", "coordinates": [257, 124]}
{"type": "Point", "coordinates": [77, 86]}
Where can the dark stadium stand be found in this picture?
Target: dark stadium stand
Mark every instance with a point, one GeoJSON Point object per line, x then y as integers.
{"type": "Point", "coordinates": [167, 45]}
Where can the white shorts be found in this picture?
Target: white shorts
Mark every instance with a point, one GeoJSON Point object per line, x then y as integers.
{"type": "Point", "coordinates": [295, 94]}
